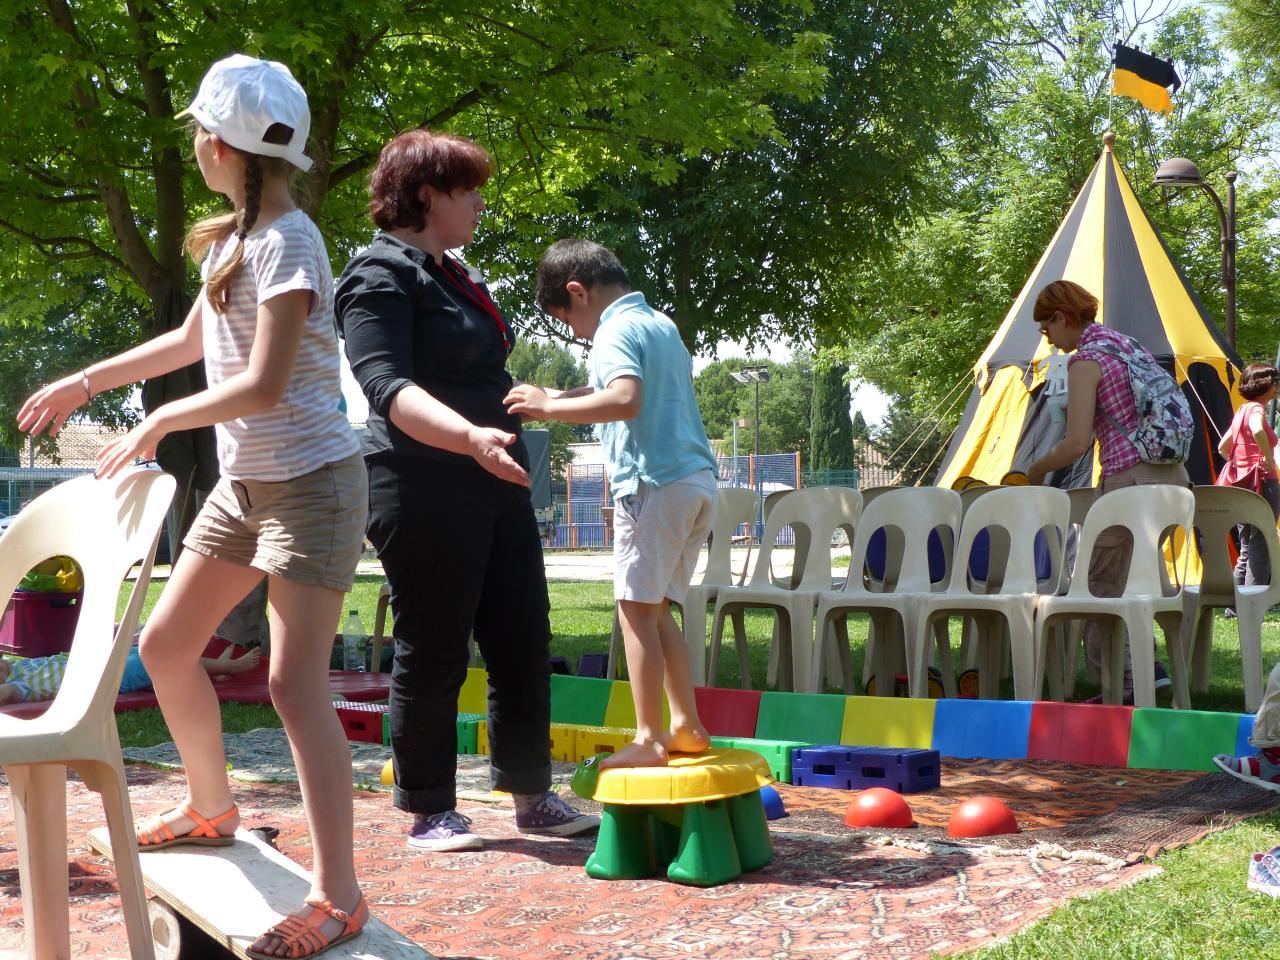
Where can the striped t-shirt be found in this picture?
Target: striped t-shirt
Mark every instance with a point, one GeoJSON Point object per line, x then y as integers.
{"type": "Point", "coordinates": [306, 429]}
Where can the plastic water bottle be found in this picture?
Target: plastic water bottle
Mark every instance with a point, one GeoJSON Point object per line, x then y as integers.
{"type": "Point", "coordinates": [353, 643]}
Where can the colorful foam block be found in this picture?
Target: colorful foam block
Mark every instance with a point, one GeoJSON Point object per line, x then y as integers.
{"type": "Point", "coordinates": [1080, 733]}
{"type": "Point", "coordinates": [776, 753]}
{"type": "Point", "coordinates": [887, 722]}
{"type": "Point", "coordinates": [593, 740]}
{"type": "Point", "coordinates": [728, 713]}
{"type": "Point", "coordinates": [468, 724]}
{"type": "Point", "coordinates": [361, 722]}
{"type": "Point", "coordinates": [1163, 739]}
{"type": "Point", "coordinates": [803, 717]}
{"type": "Point", "coordinates": [621, 708]}
{"type": "Point", "coordinates": [1243, 732]}
{"type": "Point", "coordinates": [474, 695]}
{"type": "Point", "coordinates": [992, 729]}
{"type": "Point", "coordinates": [841, 767]}
{"type": "Point", "coordinates": [482, 737]}
{"type": "Point", "coordinates": [579, 700]}
{"type": "Point", "coordinates": [564, 742]}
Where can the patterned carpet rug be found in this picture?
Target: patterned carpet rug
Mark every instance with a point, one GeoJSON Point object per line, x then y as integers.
{"type": "Point", "coordinates": [829, 893]}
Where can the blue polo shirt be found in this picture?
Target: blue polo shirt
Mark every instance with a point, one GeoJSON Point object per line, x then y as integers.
{"type": "Point", "coordinates": [665, 441]}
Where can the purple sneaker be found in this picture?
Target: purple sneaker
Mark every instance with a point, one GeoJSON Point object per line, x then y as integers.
{"type": "Point", "coordinates": [554, 817]}
{"type": "Point", "coordinates": [443, 831]}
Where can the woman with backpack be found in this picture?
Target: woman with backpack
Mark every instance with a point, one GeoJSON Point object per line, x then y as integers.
{"type": "Point", "coordinates": [1101, 403]}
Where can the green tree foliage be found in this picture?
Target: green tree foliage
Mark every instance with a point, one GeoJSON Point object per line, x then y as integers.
{"type": "Point", "coordinates": [858, 427]}
{"type": "Point", "coordinates": [954, 275]}
{"type": "Point", "coordinates": [552, 365]}
{"type": "Point", "coordinates": [98, 184]}
{"type": "Point", "coordinates": [785, 401]}
{"type": "Point", "coordinates": [830, 428]}
{"type": "Point", "coordinates": [912, 445]}
{"type": "Point", "coordinates": [752, 244]}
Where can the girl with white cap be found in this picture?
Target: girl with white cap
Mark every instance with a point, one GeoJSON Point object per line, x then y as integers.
{"type": "Point", "coordinates": [292, 499]}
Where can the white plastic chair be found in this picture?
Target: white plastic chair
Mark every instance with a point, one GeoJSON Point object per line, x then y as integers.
{"type": "Point", "coordinates": [735, 506]}
{"type": "Point", "coordinates": [1013, 518]}
{"type": "Point", "coordinates": [908, 516]}
{"type": "Point", "coordinates": [1218, 510]}
{"type": "Point", "coordinates": [1149, 512]}
{"type": "Point", "coordinates": [106, 526]}
{"type": "Point", "coordinates": [815, 513]}
{"type": "Point", "coordinates": [1081, 500]}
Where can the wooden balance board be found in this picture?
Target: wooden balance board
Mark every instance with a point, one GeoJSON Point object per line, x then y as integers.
{"type": "Point", "coordinates": [235, 893]}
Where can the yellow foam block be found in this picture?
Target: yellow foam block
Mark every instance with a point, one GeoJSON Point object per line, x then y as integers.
{"type": "Point", "coordinates": [474, 695]}
{"type": "Point", "coordinates": [888, 722]}
{"type": "Point", "coordinates": [687, 778]}
{"type": "Point", "coordinates": [621, 709]}
{"type": "Point", "coordinates": [482, 737]}
{"type": "Point", "coordinates": [593, 740]}
{"type": "Point", "coordinates": [564, 742]}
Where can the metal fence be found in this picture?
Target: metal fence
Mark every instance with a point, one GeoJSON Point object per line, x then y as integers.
{"type": "Point", "coordinates": [26, 474]}
{"type": "Point", "coordinates": [581, 501]}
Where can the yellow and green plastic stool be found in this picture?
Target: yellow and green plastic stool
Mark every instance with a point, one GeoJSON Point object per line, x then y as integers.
{"type": "Point", "coordinates": [700, 818]}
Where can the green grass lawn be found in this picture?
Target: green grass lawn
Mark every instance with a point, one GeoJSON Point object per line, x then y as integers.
{"type": "Point", "coordinates": [1199, 907]}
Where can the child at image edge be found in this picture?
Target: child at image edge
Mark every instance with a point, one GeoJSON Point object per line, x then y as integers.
{"type": "Point", "coordinates": [660, 466]}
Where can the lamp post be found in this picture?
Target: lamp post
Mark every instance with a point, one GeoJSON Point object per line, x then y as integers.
{"type": "Point", "coordinates": [756, 375]}
{"type": "Point", "coordinates": [1181, 174]}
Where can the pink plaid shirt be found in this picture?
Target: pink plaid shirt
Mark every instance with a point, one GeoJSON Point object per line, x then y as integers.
{"type": "Point", "coordinates": [1115, 450]}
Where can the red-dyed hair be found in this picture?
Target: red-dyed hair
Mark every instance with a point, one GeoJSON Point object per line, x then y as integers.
{"type": "Point", "coordinates": [420, 158]}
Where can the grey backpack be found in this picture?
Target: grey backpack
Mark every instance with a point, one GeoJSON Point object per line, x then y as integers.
{"type": "Point", "coordinates": [1165, 426]}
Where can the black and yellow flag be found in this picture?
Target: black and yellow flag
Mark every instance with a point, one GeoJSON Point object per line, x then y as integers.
{"type": "Point", "coordinates": [1145, 78]}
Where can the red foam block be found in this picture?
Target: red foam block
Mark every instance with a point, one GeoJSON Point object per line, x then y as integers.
{"type": "Point", "coordinates": [1089, 733]}
{"type": "Point", "coordinates": [727, 713]}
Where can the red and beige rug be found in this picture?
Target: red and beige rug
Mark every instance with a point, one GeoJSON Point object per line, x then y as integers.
{"type": "Point", "coordinates": [829, 893]}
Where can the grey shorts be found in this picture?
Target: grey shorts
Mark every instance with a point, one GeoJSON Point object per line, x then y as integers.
{"type": "Point", "coordinates": [309, 529]}
{"type": "Point", "coordinates": [657, 534]}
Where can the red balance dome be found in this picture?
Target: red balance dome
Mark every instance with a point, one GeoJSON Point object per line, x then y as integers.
{"type": "Point", "coordinates": [982, 817]}
{"type": "Point", "coordinates": [878, 807]}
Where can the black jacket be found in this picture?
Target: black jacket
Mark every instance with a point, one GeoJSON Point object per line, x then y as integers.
{"type": "Point", "coordinates": [406, 320]}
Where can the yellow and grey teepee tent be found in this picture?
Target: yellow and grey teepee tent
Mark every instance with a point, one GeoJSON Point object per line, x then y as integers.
{"type": "Point", "coordinates": [1108, 245]}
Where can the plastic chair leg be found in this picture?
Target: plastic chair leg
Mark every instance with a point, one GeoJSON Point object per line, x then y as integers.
{"type": "Point", "coordinates": [1202, 650]}
{"type": "Point", "coordinates": [694, 628]}
{"type": "Point", "coordinates": [739, 619]}
{"type": "Point", "coordinates": [615, 647]}
{"type": "Point", "coordinates": [1022, 653]}
{"type": "Point", "coordinates": [1073, 640]}
{"type": "Point", "coordinates": [1142, 654]}
{"type": "Point", "coordinates": [108, 781]}
{"type": "Point", "coordinates": [1249, 622]}
{"type": "Point", "coordinates": [942, 642]}
{"type": "Point", "coordinates": [1175, 636]}
{"type": "Point", "coordinates": [40, 810]}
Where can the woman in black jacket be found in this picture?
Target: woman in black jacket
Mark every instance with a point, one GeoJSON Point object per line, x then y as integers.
{"type": "Point", "coordinates": [450, 512]}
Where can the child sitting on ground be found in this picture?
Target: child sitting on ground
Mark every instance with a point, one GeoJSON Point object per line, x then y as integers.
{"type": "Point", "coordinates": [28, 679]}
{"type": "Point", "coordinates": [659, 464]}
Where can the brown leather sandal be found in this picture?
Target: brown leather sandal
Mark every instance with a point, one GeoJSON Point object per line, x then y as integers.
{"type": "Point", "coordinates": [154, 834]}
{"type": "Point", "coordinates": [300, 934]}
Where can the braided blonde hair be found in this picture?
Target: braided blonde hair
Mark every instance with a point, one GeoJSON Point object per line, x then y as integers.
{"type": "Point", "coordinates": [211, 230]}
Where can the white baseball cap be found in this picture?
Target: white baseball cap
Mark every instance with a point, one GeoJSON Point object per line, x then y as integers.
{"type": "Point", "coordinates": [241, 98]}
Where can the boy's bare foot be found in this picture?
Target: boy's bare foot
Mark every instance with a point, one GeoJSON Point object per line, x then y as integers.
{"type": "Point", "coordinates": [693, 739]}
{"type": "Point", "coordinates": [638, 753]}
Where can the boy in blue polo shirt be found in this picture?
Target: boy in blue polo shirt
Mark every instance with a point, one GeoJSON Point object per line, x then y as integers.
{"type": "Point", "coordinates": [660, 466]}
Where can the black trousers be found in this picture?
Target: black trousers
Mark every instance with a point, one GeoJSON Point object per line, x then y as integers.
{"type": "Point", "coordinates": [462, 553]}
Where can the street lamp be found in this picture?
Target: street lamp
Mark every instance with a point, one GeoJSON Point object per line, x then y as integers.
{"type": "Point", "coordinates": [1181, 174]}
{"type": "Point", "coordinates": [756, 375]}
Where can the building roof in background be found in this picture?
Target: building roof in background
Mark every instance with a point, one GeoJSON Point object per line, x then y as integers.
{"type": "Point", "coordinates": [872, 469]}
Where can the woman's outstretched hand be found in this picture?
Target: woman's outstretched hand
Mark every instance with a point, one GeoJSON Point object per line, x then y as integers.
{"type": "Point", "coordinates": [489, 449]}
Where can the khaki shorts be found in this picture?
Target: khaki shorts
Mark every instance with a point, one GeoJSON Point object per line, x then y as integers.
{"type": "Point", "coordinates": [309, 529]}
{"type": "Point", "coordinates": [657, 534]}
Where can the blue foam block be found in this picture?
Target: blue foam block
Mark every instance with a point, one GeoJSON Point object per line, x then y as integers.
{"type": "Point", "coordinates": [842, 767]}
{"type": "Point", "coordinates": [991, 729]}
{"type": "Point", "coordinates": [1243, 747]}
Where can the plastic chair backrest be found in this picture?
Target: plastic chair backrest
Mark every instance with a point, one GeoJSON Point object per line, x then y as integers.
{"type": "Point", "coordinates": [1035, 521]}
{"type": "Point", "coordinates": [735, 506]}
{"type": "Point", "coordinates": [1218, 511]}
{"type": "Point", "coordinates": [807, 511]}
{"type": "Point", "coordinates": [106, 526]}
{"type": "Point", "coordinates": [909, 516]}
{"type": "Point", "coordinates": [1147, 511]}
